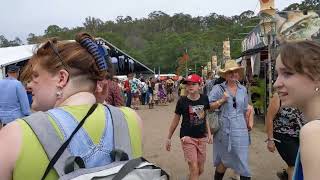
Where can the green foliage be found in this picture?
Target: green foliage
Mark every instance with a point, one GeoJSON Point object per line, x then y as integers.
{"type": "Point", "coordinates": [304, 5]}
{"type": "Point", "coordinates": [160, 39]}
{"type": "Point", "coordinates": [258, 89]}
{"type": "Point", "coordinates": [4, 42]}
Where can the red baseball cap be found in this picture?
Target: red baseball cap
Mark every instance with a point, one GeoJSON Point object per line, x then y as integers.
{"type": "Point", "coordinates": [193, 78]}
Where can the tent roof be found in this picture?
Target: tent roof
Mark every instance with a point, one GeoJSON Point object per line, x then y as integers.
{"type": "Point", "coordinates": [11, 55]}
{"type": "Point", "coordinates": [141, 67]}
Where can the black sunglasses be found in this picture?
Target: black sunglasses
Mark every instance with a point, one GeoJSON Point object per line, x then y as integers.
{"type": "Point", "coordinates": [234, 102]}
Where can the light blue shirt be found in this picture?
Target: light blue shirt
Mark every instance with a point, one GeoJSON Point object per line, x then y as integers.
{"type": "Point", "coordinates": [13, 100]}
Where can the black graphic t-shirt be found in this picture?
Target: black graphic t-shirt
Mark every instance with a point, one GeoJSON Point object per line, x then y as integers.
{"type": "Point", "coordinates": [193, 116]}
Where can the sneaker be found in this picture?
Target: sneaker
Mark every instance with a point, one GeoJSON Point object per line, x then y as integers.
{"type": "Point", "coordinates": [283, 175]}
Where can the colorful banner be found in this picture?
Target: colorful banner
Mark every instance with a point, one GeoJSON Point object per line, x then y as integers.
{"type": "Point", "coordinates": [209, 67]}
{"type": "Point", "coordinates": [226, 50]}
{"type": "Point", "coordinates": [214, 63]}
{"type": "Point", "coordinates": [253, 40]}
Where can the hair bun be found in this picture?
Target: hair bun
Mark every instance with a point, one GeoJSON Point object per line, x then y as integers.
{"type": "Point", "coordinates": [93, 48]}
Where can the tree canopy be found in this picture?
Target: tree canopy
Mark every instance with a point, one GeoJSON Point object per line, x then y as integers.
{"type": "Point", "coordinates": [161, 39]}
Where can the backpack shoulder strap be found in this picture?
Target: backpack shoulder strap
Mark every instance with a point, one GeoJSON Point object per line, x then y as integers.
{"type": "Point", "coordinates": [122, 140]}
{"type": "Point", "coordinates": [47, 136]}
{"type": "Point", "coordinates": [223, 89]}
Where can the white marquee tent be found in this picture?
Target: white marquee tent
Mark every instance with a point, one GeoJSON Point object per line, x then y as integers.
{"type": "Point", "coordinates": [12, 55]}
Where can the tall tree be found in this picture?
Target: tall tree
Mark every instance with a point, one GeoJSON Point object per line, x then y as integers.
{"type": "Point", "coordinates": [4, 42]}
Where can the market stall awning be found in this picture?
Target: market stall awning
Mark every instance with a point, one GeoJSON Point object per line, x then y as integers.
{"type": "Point", "coordinates": [253, 42]}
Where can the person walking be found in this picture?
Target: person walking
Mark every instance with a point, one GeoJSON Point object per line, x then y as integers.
{"type": "Point", "coordinates": [127, 89]}
{"type": "Point", "coordinates": [231, 143]}
{"type": "Point", "coordinates": [194, 131]}
{"type": "Point", "coordinates": [169, 87]}
{"type": "Point", "coordinates": [14, 101]}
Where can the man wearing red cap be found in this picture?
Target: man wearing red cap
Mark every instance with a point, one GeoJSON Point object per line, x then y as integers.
{"type": "Point", "coordinates": [194, 131]}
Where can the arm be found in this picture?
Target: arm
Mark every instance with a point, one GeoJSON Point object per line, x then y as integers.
{"type": "Point", "coordinates": [309, 150]}
{"type": "Point", "coordinates": [217, 97]}
{"type": "Point", "coordinates": [209, 133]}
{"type": "Point", "coordinates": [23, 99]}
{"type": "Point", "coordinates": [271, 113]}
{"type": "Point", "coordinates": [172, 128]}
{"type": "Point", "coordinates": [10, 145]}
{"type": "Point", "coordinates": [249, 117]}
{"type": "Point", "coordinates": [216, 104]}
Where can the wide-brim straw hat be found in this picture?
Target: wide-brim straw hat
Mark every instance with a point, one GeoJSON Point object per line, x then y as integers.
{"type": "Point", "coordinates": [231, 65]}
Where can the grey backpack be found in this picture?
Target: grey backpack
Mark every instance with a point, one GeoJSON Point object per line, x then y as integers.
{"type": "Point", "coordinates": [70, 167]}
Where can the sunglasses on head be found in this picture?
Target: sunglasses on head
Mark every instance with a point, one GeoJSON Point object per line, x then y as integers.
{"type": "Point", "coordinates": [52, 46]}
{"type": "Point", "coordinates": [234, 102]}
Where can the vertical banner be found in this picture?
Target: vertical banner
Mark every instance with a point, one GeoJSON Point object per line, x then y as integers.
{"type": "Point", "coordinates": [214, 63]}
{"type": "Point", "coordinates": [205, 71]}
{"type": "Point", "coordinates": [209, 67]}
{"type": "Point", "coordinates": [226, 51]}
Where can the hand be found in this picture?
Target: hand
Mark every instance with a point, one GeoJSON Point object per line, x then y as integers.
{"type": "Point", "coordinates": [210, 139]}
{"type": "Point", "coordinates": [225, 97]}
{"type": "Point", "coordinates": [183, 139]}
{"type": "Point", "coordinates": [168, 145]}
{"type": "Point", "coordinates": [271, 146]}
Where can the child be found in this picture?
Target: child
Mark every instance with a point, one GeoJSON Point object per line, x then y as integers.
{"type": "Point", "coordinates": [195, 131]}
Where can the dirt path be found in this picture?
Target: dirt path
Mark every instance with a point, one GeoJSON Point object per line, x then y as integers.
{"type": "Point", "coordinates": [156, 124]}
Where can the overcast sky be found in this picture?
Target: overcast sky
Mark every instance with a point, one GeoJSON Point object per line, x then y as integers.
{"type": "Point", "coordinates": [18, 18]}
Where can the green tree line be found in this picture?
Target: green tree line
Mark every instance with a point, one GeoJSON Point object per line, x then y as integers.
{"type": "Point", "coordinates": [161, 39]}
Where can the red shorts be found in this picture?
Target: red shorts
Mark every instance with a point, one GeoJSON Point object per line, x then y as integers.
{"type": "Point", "coordinates": [194, 149]}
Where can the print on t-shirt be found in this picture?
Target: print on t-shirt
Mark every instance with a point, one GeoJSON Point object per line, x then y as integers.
{"type": "Point", "coordinates": [196, 114]}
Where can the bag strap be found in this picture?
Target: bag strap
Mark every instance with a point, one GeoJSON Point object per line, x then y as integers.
{"type": "Point", "coordinates": [121, 135]}
{"type": "Point", "coordinates": [128, 167]}
{"type": "Point", "coordinates": [66, 143]}
{"type": "Point", "coordinates": [47, 136]}
{"type": "Point", "coordinates": [223, 89]}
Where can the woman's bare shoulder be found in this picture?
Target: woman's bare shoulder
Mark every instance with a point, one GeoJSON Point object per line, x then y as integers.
{"type": "Point", "coordinates": [10, 145]}
{"type": "Point", "coordinates": [311, 128]}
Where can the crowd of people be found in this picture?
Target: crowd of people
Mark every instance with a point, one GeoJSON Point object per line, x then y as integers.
{"type": "Point", "coordinates": [150, 91]}
{"type": "Point", "coordinates": [71, 82]}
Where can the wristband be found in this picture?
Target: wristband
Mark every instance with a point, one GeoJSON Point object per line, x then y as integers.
{"type": "Point", "coordinates": [272, 139]}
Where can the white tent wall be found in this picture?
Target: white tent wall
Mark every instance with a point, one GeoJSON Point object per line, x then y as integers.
{"type": "Point", "coordinates": [12, 55]}
{"type": "Point", "coordinates": [2, 73]}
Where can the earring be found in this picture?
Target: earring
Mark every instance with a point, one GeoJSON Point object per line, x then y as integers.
{"type": "Point", "coordinates": [59, 94]}
{"type": "Point", "coordinates": [317, 89]}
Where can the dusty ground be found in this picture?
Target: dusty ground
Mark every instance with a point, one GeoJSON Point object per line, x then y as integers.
{"type": "Point", "coordinates": [156, 124]}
